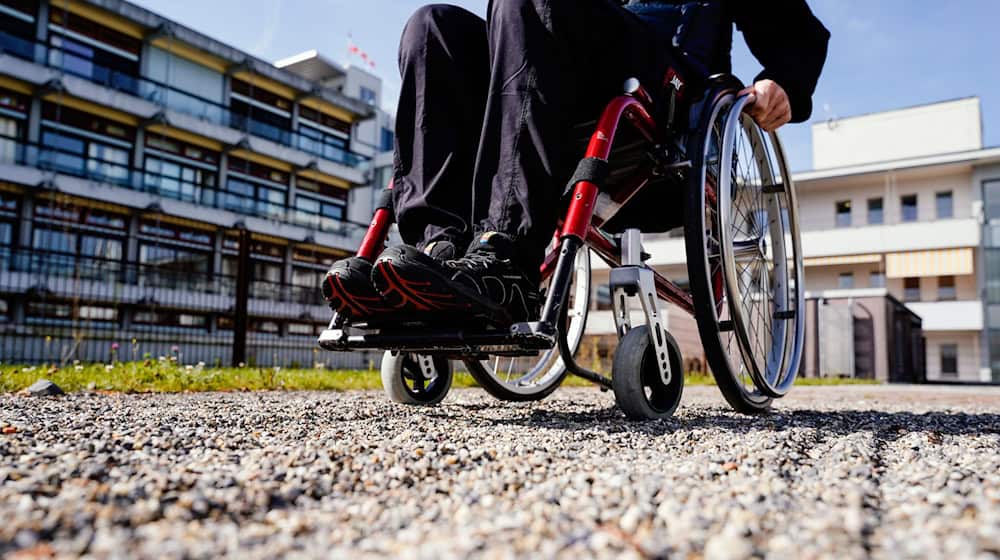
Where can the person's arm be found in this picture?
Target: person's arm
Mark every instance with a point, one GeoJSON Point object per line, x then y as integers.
{"type": "Point", "coordinates": [791, 45]}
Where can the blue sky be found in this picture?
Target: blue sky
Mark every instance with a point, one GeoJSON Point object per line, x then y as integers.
{"type": "Point", "coordinates": [884, 54]}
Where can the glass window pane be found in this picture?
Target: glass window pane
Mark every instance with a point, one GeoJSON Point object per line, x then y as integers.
{"type": "Point", "coordinates": [843, 209]}
{"type": "Point", "coordinates": [949, 360]}
{"type": "Point", "coordinates": [875, 214]}
{"type": "Point", "coordinates": [911, 289]}
{"type": "Point", "coordinates": [945, 205]}
{"type": "Point", "coordinates": [909, 208]}
{"type": "Point", "coordinates": [991, 194]}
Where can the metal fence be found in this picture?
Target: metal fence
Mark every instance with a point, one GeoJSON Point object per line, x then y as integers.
{"type": "Point", "coordinates": [58, 308]}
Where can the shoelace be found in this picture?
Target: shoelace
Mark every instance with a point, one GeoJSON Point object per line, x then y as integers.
{"type": "Point", "coordinates": [482, 258]}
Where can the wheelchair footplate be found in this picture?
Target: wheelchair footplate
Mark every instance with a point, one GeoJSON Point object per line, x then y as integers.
{"type": "Point", "coordinates": [449, 339]}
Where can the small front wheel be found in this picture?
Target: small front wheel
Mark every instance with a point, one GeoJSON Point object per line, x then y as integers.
{"type": "Point", "coordinates": [415, 379]}
{"type": "Point", "coordinates": [635, 376]}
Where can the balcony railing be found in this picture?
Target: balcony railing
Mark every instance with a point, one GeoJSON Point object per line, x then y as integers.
{"type": "Point", "coordinates": [177, 285]}
{"type": "Point", "coordinates": [178, 100]}
{"type": "Point", "coordinates": [15, 151]}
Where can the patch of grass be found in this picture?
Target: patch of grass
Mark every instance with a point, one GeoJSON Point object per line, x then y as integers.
{"type": "Point", "coordinates": [165, 376]}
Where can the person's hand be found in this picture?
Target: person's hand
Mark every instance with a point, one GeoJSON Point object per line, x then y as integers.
{"type": "Point", "coordinates": [768, 104]}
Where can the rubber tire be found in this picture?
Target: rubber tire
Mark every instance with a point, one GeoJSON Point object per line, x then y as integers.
{"type": "Point", "coordinates": [498, 391]}
{"type": "Point", "coordinates": [635, 359]}
{"type": "Point", "coordinates": [701, 284]}
{"type": "Point", "coordinates": [395, 386]}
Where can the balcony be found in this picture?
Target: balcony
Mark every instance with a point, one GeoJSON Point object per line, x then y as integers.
{"type": "Point", "coordinates": [949, 315]}
{"type": "Point", "coordinates": [911, 236]}
{"type": "Point", "coordinates": [60, 276]}
{"type": "Point", "coordinates": [183, 102]}
{"type": "Point", "coordinates": [14, 151]}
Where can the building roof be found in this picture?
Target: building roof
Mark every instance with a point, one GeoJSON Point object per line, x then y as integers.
{"type": "Point", "coordinates": [971, 157]}
{"type": "Point", "coordinates": [312, 66]}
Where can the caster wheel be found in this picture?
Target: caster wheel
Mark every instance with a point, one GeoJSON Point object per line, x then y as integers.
{"type": "Point", "coordinates": [639, 389]}
{"type": "Point", "coordinates": [415, 379]}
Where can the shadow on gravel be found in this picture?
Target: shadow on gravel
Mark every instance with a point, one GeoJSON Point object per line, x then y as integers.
{"type": "Point", "coordinates": [887, 425]}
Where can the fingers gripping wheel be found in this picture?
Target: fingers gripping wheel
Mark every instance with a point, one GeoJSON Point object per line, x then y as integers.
{"type": "Point", "coordinates": [415, 379]}
{"type": "Point", "coordinates": [641, 390]}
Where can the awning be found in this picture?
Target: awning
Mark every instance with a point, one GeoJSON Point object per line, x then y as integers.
{"type": "Point", "coordinates": [944, 262]}
{"type": "Point", "coordinates": [842, 259]}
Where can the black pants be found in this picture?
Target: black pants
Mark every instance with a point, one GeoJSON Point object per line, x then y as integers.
{"type": "Point", "coordinates": [486, 111]}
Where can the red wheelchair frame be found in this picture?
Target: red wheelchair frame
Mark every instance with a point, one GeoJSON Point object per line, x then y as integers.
{"type": "Point", "coordinates": [581, 226]}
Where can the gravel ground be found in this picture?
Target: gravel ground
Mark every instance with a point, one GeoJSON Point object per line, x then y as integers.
{"type": "Point", "coordinates": [835, 472]}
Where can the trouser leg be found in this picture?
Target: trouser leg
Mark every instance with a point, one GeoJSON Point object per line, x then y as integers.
{"type": "Point", "coordinates": [554, 63]}
{"type": "Point", "coordinates": [444, 66]}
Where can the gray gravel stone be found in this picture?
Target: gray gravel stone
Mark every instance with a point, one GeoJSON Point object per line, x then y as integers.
{"type": "Point", "coordinates": [44, 388]}
{"type": "Point", "coordinates": [834, 472]}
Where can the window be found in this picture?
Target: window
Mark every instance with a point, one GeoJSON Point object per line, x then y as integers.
{"type": "Point", "coordinates": [250, 197]}
{"type": "Point", "coordinates": [170, 232]}
{"type": "Point", "coordinates": [945, 205]}
{"type": "Point", "coordinates": [98, 314]}
{"type": "Point", "coordinates": [270, 327]}
{"type": "Point", "coordinates": [388, 140]}
{"type": "Point", "coordinates": [301, 329]}
{"type": "Point", "coordinates": [94, 52]}
{"type": "Point", "coordinates": [845, 281]}
{"type": "Point", "coordinates": [368, 95]}
{"type": "Point", "coordinates": [946, 288]}
{"type": "Point", "coordinates": [182, 182]}
{"type": "Point", "coordinates": [875, 214]}
{"type": "Point", "coordinates": [101, 149]}
{"type": "Point", "coordinates": [877, 280]}
{"type": "Point", "coordinates": [10, 134]}
{"type": "Point", "coordinates": [323, 119]}
{"type": "Point", "coordinates": [44, 311]}
{"type": "Point", "coordinates": [317, 212]}
{"type": "Point", "coordinates": [171, 319]}
{"type": "Point", "coordinates": [603, 298]}
{"type": "Point", "coordinates": [911, 289]}
{"type": "Point", "coordinates": [326, 145]}
{"type": "Point", "coordinates": [844, 213]}
{"type": "Point", "coordinates": [908, 208]}
{"type": "Point", "coordinates": [949, 360]}
{"type": "Point", "coordinates": [17, 33]}
{"type": "Point", "coordinates": [991, 198]}
{"type": "Point", "coordinates": [172, 267]}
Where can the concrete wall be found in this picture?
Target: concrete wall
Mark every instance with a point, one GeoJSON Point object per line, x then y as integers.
{"type": "Point", "coordinates": [818, 200]}
{"type": "Point", "coordinates": [968, 355]}
{"type": "Point", "coordinates": [938, 128]}
{"type": "Point", "coordinates": [821, 278]}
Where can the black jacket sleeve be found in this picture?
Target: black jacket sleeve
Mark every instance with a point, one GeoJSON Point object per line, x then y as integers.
{"type": "Point", "coordinates": [790, 43]}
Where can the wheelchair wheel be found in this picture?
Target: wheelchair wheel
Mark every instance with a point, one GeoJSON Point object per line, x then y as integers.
{"type": "Point", "coordinates": [533, 378]}
{"type": "Point", "coordinates": [639, 389]}
{"type": "Point", "coordinates": [415, 379]}
{"type": "Point", "coordinates": [745, 272]}
{"type": "Point", "coordinates": [762, 256]}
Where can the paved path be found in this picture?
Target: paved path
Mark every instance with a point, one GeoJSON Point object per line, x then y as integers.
{"type": "Point", "coordinates": [835, 472]}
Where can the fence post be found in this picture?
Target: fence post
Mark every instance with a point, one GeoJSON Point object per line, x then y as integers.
{"type": "Point", "coordinates": [240, 319]}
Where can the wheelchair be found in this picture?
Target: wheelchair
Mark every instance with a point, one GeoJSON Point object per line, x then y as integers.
{"type": "Point", "coordinates": [743, 254]}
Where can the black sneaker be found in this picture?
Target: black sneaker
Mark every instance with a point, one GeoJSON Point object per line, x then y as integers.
{"type": "Point", "coordinates": [348, 288]}
{"type": "Point", "coordinates": [485, 283]}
